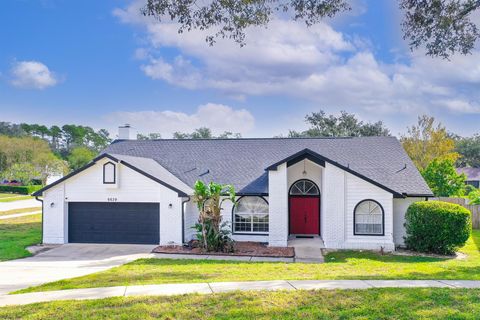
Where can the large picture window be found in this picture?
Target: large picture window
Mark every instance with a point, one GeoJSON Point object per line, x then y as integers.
{"type": "Point", "coordinates": [250, 215]}
{"type": "Point", "coordinates": [369, 218]}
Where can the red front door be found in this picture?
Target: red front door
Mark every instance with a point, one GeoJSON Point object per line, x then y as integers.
{"type": "Point", "coordinates": [304, 215]}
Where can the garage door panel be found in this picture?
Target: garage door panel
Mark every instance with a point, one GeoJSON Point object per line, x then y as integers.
{"type": "Point", "coordinates": [105, 222]}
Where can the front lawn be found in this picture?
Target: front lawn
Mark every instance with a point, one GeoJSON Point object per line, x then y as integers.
{"type": "Point", "coordinates": [339, 265]}
{"type": "Point", "coordinates": [23, 210]}
{"type": "Point", "coordinates": [9, 197]}
{"type": "Point", "coordinates": [18, 233]}
{"type": "Point", "coordinates": [392, 303]}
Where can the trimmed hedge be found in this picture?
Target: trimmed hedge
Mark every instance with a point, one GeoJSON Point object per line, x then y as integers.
{"type": "Point", "coordinates": [437, 227]}
{"type": "Point", "coordinates": [20, 189]}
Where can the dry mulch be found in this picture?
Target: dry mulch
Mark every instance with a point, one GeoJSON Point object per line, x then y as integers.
{"type": "Point", "coordinates": [241, 248]}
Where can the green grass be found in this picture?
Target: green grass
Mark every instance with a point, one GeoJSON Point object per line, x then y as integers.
{"type": "Point", "coordinates": [339, 265]}
{"type": "Point", "coordinates": [418, 303]}
{"type": "Point", "coordinates": [23, 210]}
{"type": "Point", "coordinates": [18, 233]}
{"type": "Point", "coordinates": [9, 197]}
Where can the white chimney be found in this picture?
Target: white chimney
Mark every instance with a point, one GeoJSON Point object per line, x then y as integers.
{"type": "Point", "coordinates": [125, 132]}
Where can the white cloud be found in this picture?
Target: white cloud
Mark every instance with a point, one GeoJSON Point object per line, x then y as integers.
{"type": "Point", "coordinates": [217, 117]}
{"type": "Point", "coordinates": [32, 74]}
{"type": "Point", "coordinates": [316, 63]}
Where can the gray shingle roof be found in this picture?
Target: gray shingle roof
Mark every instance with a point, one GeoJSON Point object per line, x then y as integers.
{"type": "Point", "coordinates": [473, 174]}
{"type": "Point", "coordinates": [242, 162]}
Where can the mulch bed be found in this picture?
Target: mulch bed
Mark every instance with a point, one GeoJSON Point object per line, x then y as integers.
{"type": "Point", "coordinates": [243, 248]}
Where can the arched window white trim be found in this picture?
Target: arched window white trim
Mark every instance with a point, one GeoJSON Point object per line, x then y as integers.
{"type": "Point", "coordinates": [250, 215]}
{"type": "Point", "coordinates": [369, 218]}
{"type": "Point", "coordinates": [304, 187]}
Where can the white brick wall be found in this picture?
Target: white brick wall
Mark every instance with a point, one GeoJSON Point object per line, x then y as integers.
{"type": "Point", "coordinates": [400, 207]}
{"type": "Point", "coordinates": [191, 218]}
{"type": "Point", "coordinates": [132, 186]}
{"type": "Point", "coordinates": [333, 213]}
{"type": "Point", "coordinates": [278, 206]}
{"type": "Point", "coordinates": [358, 190]}
{"type": "Point", "coordinates": [55, 216]}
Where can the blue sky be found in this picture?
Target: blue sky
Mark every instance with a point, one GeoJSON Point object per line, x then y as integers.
{"type": "Point", "coordinates": [100, 63]}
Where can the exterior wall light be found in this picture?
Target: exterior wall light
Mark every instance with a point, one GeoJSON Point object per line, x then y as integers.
{"type": "Point", "coordinates": [170, 206]}
{"type": "Point", "coordinates": [52, 204]}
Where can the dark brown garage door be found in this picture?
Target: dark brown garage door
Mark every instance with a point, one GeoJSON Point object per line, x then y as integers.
{"type": "Point", "coordinates": [106, 222]}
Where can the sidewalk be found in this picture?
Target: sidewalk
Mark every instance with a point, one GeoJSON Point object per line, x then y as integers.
{"type": "Point", "coordinates": [217, 287]}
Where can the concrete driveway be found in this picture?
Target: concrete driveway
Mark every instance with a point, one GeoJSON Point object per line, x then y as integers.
{"type": "Point", "coordinates": [67, 261]}
{"type": "Point", "coordinates": [19, 204]}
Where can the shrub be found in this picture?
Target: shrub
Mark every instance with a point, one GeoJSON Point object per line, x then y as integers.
{"type": "Point", "coordinates": [218, 241]}
{"type": "Point", "coordinates": [20, 189]}
{"type": "Point", "coordinates": [437, 227]}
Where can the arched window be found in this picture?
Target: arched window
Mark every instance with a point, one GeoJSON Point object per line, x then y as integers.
{"type": "Point", "coordinates": [109, 176]}
{"type": "Point", "coordinates": [368, 218]}
{"type": "Point", "coordinates": [250, 215]}
{"type": "Point", "coordinates": [304, 187]}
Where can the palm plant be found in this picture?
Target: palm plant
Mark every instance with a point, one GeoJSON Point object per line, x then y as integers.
{"type": "Point", "coordinates": [209, 199]}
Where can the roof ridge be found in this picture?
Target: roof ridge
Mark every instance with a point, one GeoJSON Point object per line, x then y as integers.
{"type": "Point", "coordinates": [258, 138]}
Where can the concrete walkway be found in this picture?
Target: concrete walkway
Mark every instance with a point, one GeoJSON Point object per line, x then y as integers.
{"type": "Point", "coordinates": [307, 250]}
{"type": "Point", "coordinates": [18, 215]}
{"type": "Point", "coordinates": [217, 287]}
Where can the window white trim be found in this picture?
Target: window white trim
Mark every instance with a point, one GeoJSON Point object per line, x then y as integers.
{"type": "Point", "coordinates": [368, 218]}
{"type": "Point", "coordinates": [256, 209]}
{"type": "Point", "coordinates": [109, 173]}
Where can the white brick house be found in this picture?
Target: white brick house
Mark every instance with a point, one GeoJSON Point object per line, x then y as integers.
{"type": "Point", "coordinates": [351, 192]}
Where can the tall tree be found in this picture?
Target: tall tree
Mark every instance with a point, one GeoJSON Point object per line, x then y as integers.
{"type": "Point", "coordinates": [230, 19]}
{"type": "Point", "coordinates": [56, 135]}
{"type": "Point", "coordinates": [79, 157]}
{"type": "Point", "coordinates": [469, 150]}
{"type": "Point", "coordinates": [345, 125]}
{"type": "Point", "coordinates": [11, 129]}
{"type": "Point", "coordinates": [149, 136]}
{"type": "Point", "coordinates": [443, 27]}
{"type": "Point", "coordinates": [30, 154]}
{"type": "Point", "coordinates": [427, 141]}
{"type": "Point", "coordinates": [205, 133]}
{"type": "Point", "coordinates": [443, 179]}
{"type": "Point", "coordinates": [200, 133]}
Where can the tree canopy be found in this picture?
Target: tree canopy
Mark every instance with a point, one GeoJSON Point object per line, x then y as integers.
{"type": "Point", "coordinates": [63, 141]}
{"type": "Point", "coordinates": [442, 27]}
{"type": "Point", "coordinates": [79, 157]}
{"type": "Point", "coordinates": [427, 141]}
{"type": "Point", "coordinates": [345, 125]}
{"type": "Point", "coordinates": [443, 179]}
{"type": "Point", "coordinates": [205, 133]}
{"type": "Point", "coordinates": [469, 150]}
{"type": "Point", "coordinates": [28, 158]}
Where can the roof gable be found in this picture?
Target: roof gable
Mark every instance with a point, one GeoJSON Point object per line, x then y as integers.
{"type": "Point", "coordinates": [319, 159]}
{"type": "Point", "coordinates": [128, 164]}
